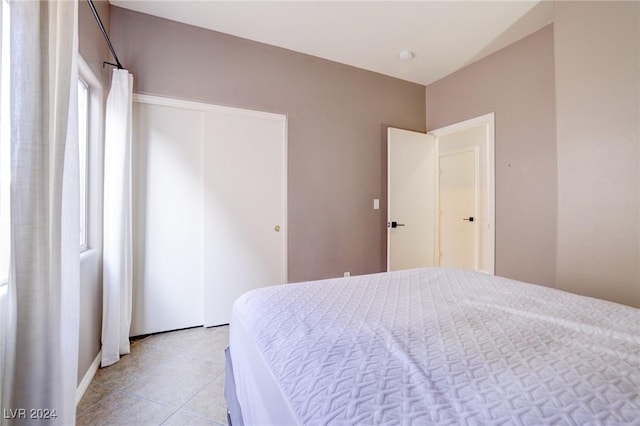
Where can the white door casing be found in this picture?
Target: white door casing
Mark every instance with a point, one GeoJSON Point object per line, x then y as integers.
{"type": "Point", "coordinates": [411, 189]}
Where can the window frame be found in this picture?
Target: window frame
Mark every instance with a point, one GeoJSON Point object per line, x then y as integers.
{"type": "Point", "coordinates": [95, 136]}
{"type": "Point", "coordinates": [84, 186]}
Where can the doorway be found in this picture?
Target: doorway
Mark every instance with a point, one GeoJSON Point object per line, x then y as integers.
{"type": "Point", "coordinates": [451, 170]}
{"type": "Point", "coordinates": [465, 194]}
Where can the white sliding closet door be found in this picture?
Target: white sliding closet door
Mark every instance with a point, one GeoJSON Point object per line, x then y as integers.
{"type": "Point", "coordinates": [244, 180]}
{"type": "Point", "coordinates": [167, 218]}
{"type": "Point", "coordinates": [209, 209]}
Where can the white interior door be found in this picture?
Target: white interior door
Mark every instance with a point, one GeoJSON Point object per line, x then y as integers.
{"type": "Point", "coordinates": [167, 218]}
{"type": "Point", "coordinates": [476, 134]}
{"type": "Point", "coordinates": [209, 210]}
{"type": "Point", "coordinates": [244, 229]}
{"type": "Point", "coordinates": [410, 199]}
{"type": "Point", "coordinates": [459, 209]}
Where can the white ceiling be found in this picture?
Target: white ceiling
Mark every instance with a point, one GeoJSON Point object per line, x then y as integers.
{"type": "Point", "coordinates": [444, 35]}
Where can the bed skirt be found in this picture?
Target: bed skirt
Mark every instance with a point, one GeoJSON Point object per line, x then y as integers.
{"type": "Point", "coordinates": [234, 414]}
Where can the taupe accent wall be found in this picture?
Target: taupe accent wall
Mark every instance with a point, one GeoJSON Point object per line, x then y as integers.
{"type": "Point", "coordinates": [597, 47]}
{"type": "Point", "coordinates": [91, 42]}
{"type": "Point", "coordinates": [337, 116]}
{"type": "Point", "coordinates": [517, 84]}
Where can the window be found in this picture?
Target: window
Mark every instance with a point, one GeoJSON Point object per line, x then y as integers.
{"type": "Point", "coordinates": [83, 151]}
{"type": "Point", "coordinates": [4, 146]}
{"type": "Point", "coordinates": [90, 134]}
{"type": "Point", "coordinates": [84, 134]}
{"type": "Point", "coordinates": [83, 145]}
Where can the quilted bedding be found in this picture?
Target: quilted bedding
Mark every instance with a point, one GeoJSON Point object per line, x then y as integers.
{"type": "Point", "coordinates": [434, 346]}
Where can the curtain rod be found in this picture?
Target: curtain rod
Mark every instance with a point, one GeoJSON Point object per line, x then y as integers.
{"type": "Point", "coordinates": [106, 36]}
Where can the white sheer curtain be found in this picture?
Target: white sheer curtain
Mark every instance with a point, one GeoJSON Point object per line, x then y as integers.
{"type": "Point", "coordinates": [117, 249]}
{"type": "Point", "coordinates": [41, 324]}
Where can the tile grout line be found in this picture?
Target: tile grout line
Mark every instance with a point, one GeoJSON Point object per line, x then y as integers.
{"type": "Point", "coordinates": [169, 350]}
{"type": "Point", "coordinates": [78, 413]}
{"type": "Point", "coordinates": [176, 409]}
{"type": "Point", "coordinates": [194, 395]}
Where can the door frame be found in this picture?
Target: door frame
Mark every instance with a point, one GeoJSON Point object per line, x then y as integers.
{"type": "Point", "coordinates": [487, 120]}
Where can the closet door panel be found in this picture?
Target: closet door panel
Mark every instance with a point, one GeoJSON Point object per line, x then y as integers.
{"type": "Point", "coordinates": [167, 218]}
{"type": "Point", "coordinates": [244, 207]}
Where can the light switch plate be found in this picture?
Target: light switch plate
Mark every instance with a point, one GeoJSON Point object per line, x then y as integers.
{"type": "Point", "coordinates": [376, 204]}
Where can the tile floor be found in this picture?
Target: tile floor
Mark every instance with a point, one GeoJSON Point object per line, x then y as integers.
{"type": "Point", "coordinates": [173, 378]}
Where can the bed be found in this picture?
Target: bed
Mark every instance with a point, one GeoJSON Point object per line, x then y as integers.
{"type": "Point", "coordinates": [431, 346]}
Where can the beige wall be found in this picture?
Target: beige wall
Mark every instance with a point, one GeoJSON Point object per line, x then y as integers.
{"type": "Point", "coordinates": [94, 50]}
{"type": "Point", "coordinates": [91, 42]}
{"type": "Point", "coordinates": [517, 83]}
{"type": "Point", "coordinates": [336, 125]}
{"type": "Point", "coordinates": [597, 47]}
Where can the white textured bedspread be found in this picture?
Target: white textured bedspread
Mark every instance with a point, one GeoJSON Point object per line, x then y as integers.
{"type": "Point", "coordinates": [440, 346]}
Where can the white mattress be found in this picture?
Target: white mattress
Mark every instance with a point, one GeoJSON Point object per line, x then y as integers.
{"type": "Point", "coordinates": [433, 346]}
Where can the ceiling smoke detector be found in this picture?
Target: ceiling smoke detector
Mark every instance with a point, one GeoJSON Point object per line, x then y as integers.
{"type": "Point", "coordinates": [405, 55]}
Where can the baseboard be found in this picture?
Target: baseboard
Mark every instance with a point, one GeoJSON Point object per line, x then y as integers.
{"type": "Point", "coordinates": [88, 377]}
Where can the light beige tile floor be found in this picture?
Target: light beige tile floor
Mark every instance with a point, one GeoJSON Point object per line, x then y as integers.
{"type": "Point", "coordinates": [173, 378]}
